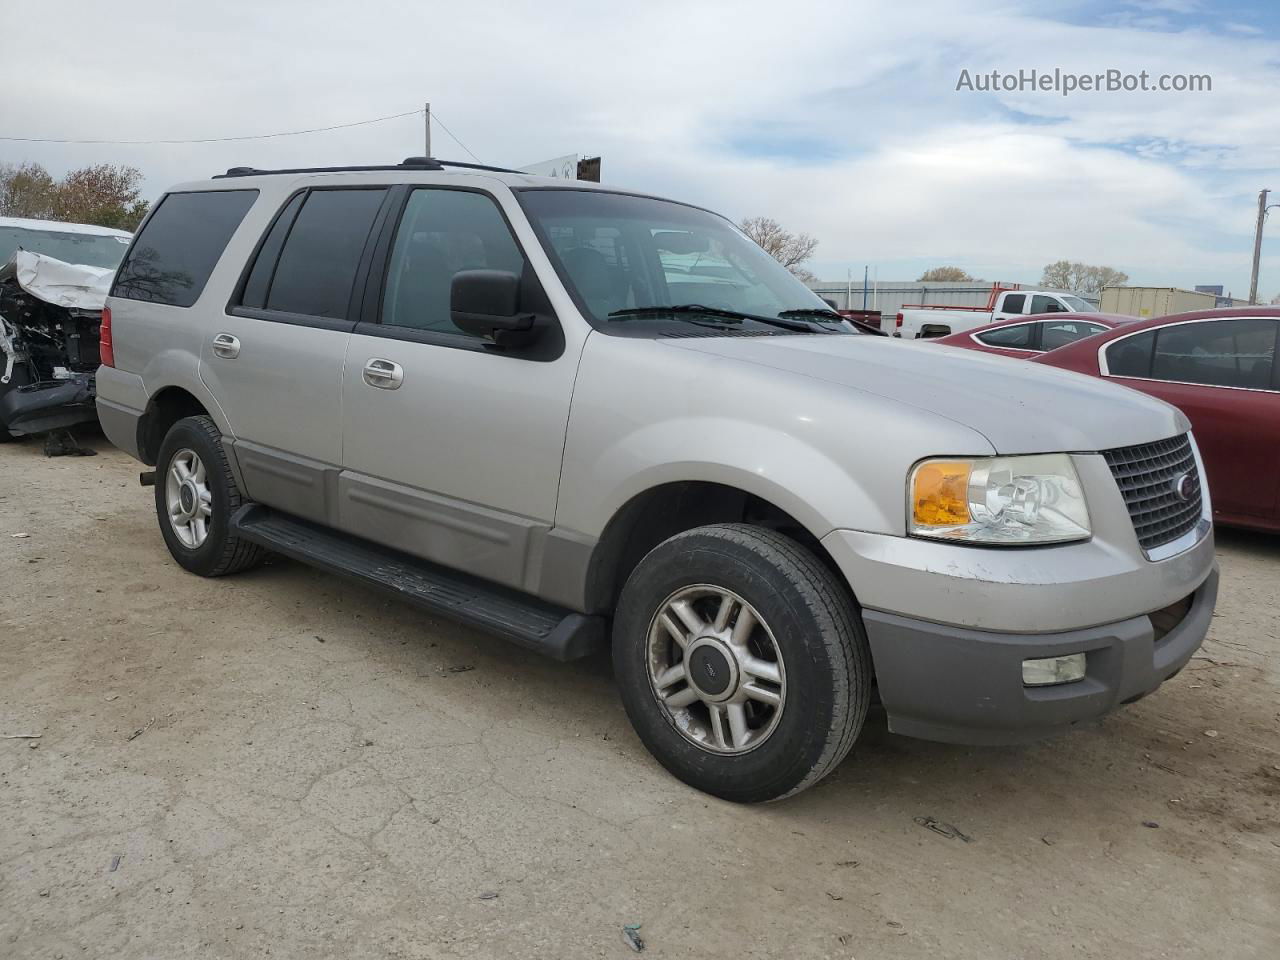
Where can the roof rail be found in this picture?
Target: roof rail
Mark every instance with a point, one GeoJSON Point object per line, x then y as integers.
{"type": "Point", "coordinates": [409, 163]}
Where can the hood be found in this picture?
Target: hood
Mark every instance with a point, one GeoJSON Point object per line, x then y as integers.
{"type": "Point", "coordinates": [1019, 407]}
{"type": "Point", "coordinates": [75, 286]}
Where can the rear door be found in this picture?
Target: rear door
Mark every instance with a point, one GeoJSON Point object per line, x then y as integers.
{"type": "Point", "coordinates": [451, 446]}
{"type": "Point", "coordinates": [274, 359]}
{"type": "Point", "coordinates": [1222, 374]}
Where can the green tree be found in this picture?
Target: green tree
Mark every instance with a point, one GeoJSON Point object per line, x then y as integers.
{"type": "Point", "coordinates": [105, 194]}
{"type": "Point", "coordinates": [26, 190]}
{"type": "Point", "coordinates": [945, 275]}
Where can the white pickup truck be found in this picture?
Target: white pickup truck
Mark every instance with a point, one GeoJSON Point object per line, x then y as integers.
{"type": "Point", "coordinates": [920, 321]}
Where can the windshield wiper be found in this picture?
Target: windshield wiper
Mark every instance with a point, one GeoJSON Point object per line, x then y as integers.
{"type": "Point", "coordinates": [811, 312]}
{"type": "Point", "coordinates": [724, 316]}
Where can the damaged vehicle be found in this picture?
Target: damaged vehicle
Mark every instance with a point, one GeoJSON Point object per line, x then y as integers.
{"type": "Point", "coordinates": [53, 285]}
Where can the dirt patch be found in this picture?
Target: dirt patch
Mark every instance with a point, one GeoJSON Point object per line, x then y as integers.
{"type": "Point", "coordinates": [211, 781]}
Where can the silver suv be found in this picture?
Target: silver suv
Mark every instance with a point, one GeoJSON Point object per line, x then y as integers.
{"type": "Point", "coordinates": [577, 416]}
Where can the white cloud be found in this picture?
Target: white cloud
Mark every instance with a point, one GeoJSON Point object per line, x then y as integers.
{"type": "Point", "coordinates": [677, 96]}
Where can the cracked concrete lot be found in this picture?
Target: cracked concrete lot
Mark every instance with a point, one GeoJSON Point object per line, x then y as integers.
{"type": "Point", "coordinates": [283, 764]}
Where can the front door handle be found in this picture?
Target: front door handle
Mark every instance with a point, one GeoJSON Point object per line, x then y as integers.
{"type": "Point", "coordinates": [226, 346]}
{"type": "Point", "coordinates": [383, 374]}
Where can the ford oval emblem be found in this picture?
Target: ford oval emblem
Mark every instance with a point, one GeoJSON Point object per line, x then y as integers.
{"type": "Point", "coordinates": [1184, 487]}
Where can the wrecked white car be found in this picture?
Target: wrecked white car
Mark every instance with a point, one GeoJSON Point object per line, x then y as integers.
{"type": "Point", "coordinates": [53, 284]}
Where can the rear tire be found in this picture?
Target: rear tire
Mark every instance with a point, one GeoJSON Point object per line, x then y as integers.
{"type": "Point", "coordinates": [747, 713]}
{"type": "Point", "coordinates": [196, 495]}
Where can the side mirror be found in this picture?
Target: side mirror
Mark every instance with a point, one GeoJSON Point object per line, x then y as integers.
{"type": "Point", "coordinates": [486, 303]}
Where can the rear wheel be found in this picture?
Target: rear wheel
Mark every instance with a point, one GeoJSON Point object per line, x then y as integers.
{"type": "Point", "coordinates": [195, 498]}
{"type": "Point", "coordinates": [742, 662]}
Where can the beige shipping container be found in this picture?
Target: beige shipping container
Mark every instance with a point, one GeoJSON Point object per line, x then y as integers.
{"type": "Point", "coordinates": [1154, 301]}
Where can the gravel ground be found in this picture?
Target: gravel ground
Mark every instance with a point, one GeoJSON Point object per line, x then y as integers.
{"type": "Point", "coordinates": [283, 764]}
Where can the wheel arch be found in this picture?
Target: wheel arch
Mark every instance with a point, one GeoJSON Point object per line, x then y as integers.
{"type": "Point", "coordinates": [165, 408]}
{"type": "Point", "coordinates": [664, 510]}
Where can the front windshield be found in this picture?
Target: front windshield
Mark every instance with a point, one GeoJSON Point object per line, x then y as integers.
{"type": "Point", "coordinates": [625, 253]}
{"type": "Point", "coordinates": [1079, 306]}
{"type": "Point", "coordinates": [90, 249]}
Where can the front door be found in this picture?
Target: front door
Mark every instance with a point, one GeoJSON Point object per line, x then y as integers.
{"type": "Point", "coordinates": [451, 446]}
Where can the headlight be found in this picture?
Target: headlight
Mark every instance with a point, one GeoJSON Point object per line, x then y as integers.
{"type": "Point", "coordinates": [999, 500]}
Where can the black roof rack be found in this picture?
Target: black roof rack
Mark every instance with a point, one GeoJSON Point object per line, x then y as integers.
{"type": "Point", "coordinates": [409, 163]}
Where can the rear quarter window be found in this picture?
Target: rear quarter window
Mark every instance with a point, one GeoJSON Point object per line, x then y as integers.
{"type": "Point", "coordinates": [180, 244]}
{"type": "Point", "coordinates": [1019, 337]}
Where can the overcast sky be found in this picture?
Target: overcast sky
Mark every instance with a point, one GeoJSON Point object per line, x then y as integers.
{"type": "Point", "coordinates": [838, 118]}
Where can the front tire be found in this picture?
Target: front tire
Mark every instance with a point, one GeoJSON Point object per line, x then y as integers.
{"type": "Point", "coordinates": [195, 498]}
{"type": "Point", "coordinates": [742, 662]}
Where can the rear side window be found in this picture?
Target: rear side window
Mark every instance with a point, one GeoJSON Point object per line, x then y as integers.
{"type": "Point", "coordinates": [319, 254]}
{"type": "Point", "coordinates": [1061, 332]}
{"type": "Point", "coordinates": [1019, 337]}
{"type": "Point", "coordinates": [179, 246]}
{"type": "Point", "coordinates": [1131, 357]}
{"type": "Point", "coordinates": [1221, 353]}
{"type": "Point", "coordinates": [1014, 302]}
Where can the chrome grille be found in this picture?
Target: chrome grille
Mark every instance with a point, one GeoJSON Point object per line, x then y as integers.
{"type": "Point", "coordinates": [1148, 475]}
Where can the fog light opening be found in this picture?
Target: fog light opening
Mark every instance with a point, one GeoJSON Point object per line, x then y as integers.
{"type": "Point", "coordinates": [1048, 671]}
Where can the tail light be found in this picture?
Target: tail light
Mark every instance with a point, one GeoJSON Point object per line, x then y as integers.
{"type": "Point", "coordinates": [106, 351]}
{"type": "Point", "coordinates": [897, 321]}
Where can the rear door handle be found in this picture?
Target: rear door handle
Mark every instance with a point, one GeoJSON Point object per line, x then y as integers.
{"type": "Point", "coordinates": [383, 374]}
{"type": "Point", "coordinates": [226, 346]}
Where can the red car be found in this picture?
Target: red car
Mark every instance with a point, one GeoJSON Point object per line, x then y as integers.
{"type": "Point", "coordinates": [1029, 336]}
{"type": "Point", "coordinates": [1220, 368]}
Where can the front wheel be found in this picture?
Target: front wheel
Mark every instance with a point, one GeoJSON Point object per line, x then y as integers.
{"type": "Point", "coordinates": [195, 498]}
{"type": "Point", "coordinates": [742, 662]}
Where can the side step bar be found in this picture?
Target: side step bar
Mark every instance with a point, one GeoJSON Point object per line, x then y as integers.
{"type": "Point", "coordinates": [556, 632]}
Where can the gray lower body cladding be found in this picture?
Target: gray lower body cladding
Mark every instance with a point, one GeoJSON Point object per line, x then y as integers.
{"type": "Point", "coordinates": [946, 683]}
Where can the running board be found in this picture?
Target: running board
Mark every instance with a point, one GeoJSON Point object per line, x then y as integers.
{"type": "Point", "coordinates": [527, 621]}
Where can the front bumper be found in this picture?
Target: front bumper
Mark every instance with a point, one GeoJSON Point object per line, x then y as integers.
{"type": "Point", "coordinates": [960, 685]}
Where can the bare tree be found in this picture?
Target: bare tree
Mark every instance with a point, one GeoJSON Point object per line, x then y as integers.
{"type": "Point", "coordinates": [1081, 277]}
{"type": "Point", "coordinates": [789, 249]}
{"type": "Point", "coordinates": [944, 275]}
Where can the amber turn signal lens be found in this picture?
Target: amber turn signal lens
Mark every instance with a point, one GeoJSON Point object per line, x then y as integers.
{"type": "Point", "coordinates": [940, 493]}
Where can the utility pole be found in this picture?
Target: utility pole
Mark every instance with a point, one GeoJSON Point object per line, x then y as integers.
{"type": "Point", "coordinates": [427, 115]}
{"type": "Point", "coordinates": [865, 271]}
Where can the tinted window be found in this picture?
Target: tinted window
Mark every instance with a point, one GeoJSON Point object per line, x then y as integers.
{"type": "Point", "coordinates": [322, 252]}
{"type": "Point", "coordinates": [441, 233]}
{"type": "Point", "coordinates": [1059, 333]}
{"type": "Point", "coordinates": [1018, 337]}
{"type": "Point", "coordinates": [255, 288]}
{"type": "Point", "coordinates": [1043, 304]}
{"type": "Point", "coordinates": [1223, 353]}
{"type": "Point", "coordinates": [1131, 357]}
{"type": "Point", "coordinates": [1014, 302]}
{"type": "Point", "coordinates": [178, 248]}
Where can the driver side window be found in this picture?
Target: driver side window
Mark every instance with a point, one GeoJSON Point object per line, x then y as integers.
{"type": "Point", "coordinates": [441, 233]}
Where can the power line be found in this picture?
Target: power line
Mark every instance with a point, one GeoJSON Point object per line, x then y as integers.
{"type": "Point", "coordinates": [436, 117]}
{"type": "Point", "coordinates": [256, 136]}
